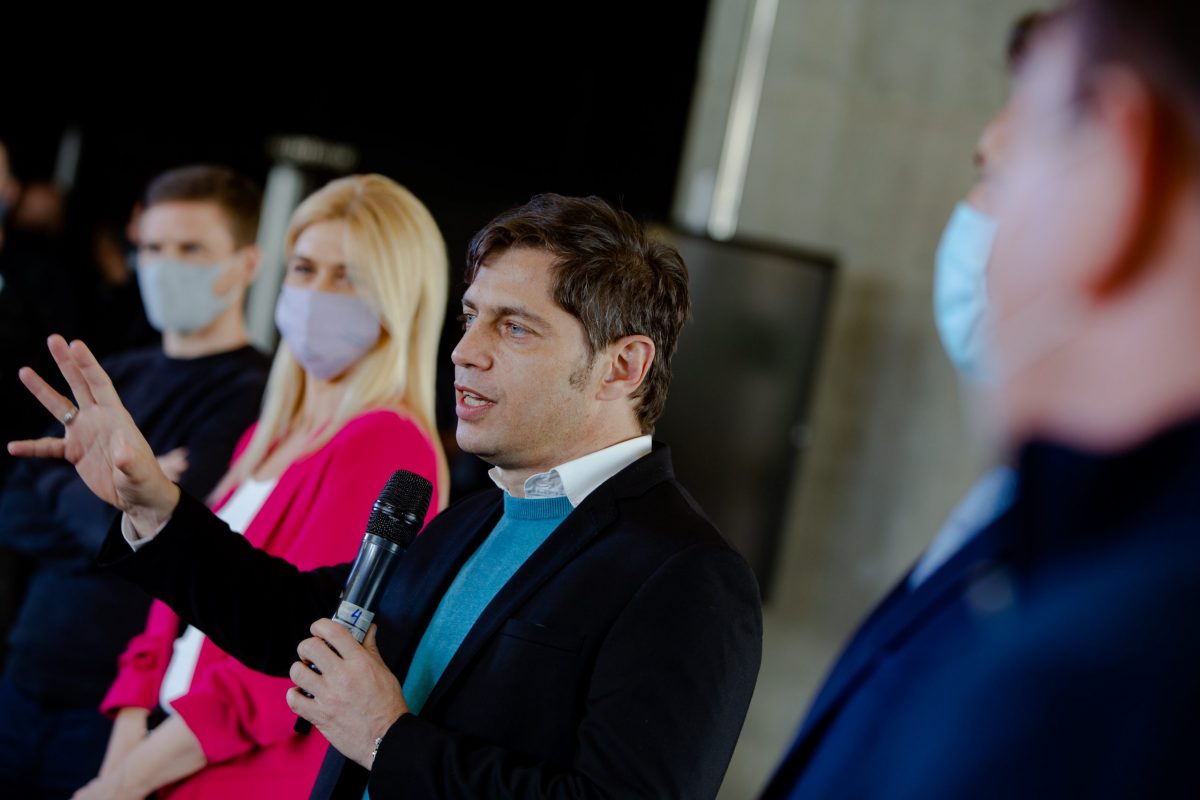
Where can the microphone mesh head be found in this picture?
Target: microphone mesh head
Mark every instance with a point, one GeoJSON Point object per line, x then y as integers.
{"type": "Point", "coordinates": [400, 509]}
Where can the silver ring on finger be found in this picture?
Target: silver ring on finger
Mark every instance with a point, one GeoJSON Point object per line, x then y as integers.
{"type": "Point", "coordinates": [68, 417]}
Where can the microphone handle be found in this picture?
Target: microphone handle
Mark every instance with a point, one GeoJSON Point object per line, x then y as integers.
{"type": "Point", "coordinates": [377, 558]}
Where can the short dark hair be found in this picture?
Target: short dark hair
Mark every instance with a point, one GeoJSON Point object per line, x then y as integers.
{"type": "Point", "coordinates": [607, 273]}
{"type": "Point", "coordinates": [1022, 34]}
{"type": "Point", "coordinates": [238, 197]}
{"type": "Point", "coordinates": [1156, 38]}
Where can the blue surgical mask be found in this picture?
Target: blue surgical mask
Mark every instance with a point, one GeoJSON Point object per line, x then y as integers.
{"type": "Point", "coordinates": [960, 301]}
{"type": "Point", "coordinates": [179, 296]}
{"type": "Point", "coordinates": [327, 332]}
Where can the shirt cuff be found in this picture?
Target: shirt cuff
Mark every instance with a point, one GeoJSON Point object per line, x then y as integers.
{"type": "Point", "coordinates": [134, 541]}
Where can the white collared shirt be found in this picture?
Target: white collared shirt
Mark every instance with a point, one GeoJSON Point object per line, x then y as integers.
{"type": "Point", "coordinates": [983, 503]}
{"type": "Point", "coordinates": [579, 478]}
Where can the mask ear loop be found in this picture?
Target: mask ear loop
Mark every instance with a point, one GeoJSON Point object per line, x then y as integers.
{"type": "Point", "coordinates": [1038, 329]}
{"type": "Point", "coordinates": [226, 264]}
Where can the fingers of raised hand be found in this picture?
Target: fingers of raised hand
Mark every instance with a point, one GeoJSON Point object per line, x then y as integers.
{"type": "Point", "coordinates": [48, 447]}
{"type": "Point", "coordinates": [98, 382]}
{"type": "Point", "coordinates": [65, 359]}
{"type": "Point", "coordinates": [50, 399]}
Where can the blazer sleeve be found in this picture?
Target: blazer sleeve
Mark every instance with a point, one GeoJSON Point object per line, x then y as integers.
{"type": "Point", "coordinates": [194, 561]}
{"type": "Point", "coordinates": [698, 621]}
{"type": "Point", "coordinates": [143, 665]}
{"type": "Point", "coordinates": [232, 709]}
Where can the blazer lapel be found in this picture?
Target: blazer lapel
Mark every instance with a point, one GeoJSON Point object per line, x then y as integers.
{"type": "Point", "coordinates": [592, 516]}
{"type": "Point", "coordinates": [562, 545]}
{"type": "Point", "coordinates": [433, 561]}
{"type": "Point", "coordinates": [428, 569]}
{"type": "Point", "coordinates": [900, 614]}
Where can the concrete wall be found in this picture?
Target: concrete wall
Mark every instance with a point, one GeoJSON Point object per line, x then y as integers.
{"type": "Point", "coordinates": [869, 115]}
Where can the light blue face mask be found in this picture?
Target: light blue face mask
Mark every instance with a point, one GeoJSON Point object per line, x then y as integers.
{"type": "Point", "coordinates": [178, 295]}
{"type": "Point", "coordinates": [328, 332]}
{"type": "Point", "coordinates": [960, 301]}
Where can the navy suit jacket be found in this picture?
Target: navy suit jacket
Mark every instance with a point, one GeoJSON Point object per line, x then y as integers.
{"type": "Point", "coordinates": [618, 661]}
{"type": "Point", "coordinates": [1056, 655]}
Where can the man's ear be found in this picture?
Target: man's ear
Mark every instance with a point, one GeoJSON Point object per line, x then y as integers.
{"type": "Point", "coordinates": [1144, 150]}
{"type": "Point", "coordinates": [628, 362]}
{"type": "Point", "coordinates": [253, 258]}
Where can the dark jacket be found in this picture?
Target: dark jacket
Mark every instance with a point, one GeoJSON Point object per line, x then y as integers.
{"type": "Point", "coordinates": [1056, 655]}
{"type": "Point", "coordinates": [618, 661]}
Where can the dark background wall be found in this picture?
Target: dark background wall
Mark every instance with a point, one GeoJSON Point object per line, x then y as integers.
{"type": "Point", "coordinates": [473, 111]}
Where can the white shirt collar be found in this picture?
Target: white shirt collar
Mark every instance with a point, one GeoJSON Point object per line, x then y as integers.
{"type": "Point", "coordinates": [579, 478]}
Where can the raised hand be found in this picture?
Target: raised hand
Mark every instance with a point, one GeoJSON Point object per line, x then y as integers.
{"type": "Point", "coordinates": [174, 463]}
{"type": "Point", "coordinates": [100, 439]}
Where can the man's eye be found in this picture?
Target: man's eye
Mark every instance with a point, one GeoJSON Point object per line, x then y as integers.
{"type": "Point", "coordinates": [466, 320]}
{"type": "Point", "coordinates": [516, 330]}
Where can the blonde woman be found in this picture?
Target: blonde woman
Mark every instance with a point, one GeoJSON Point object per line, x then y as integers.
{"type": "Point", "coordinates": [350, 399]}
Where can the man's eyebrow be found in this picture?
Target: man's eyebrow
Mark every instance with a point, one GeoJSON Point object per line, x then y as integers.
{"type": "Point", "coordinates": [523, 313]}
{"type": "Point", "coordinates": [512, 311]}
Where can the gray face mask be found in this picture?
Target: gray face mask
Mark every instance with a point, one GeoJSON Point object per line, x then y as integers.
{"type": "Point", "coordinates": [179, 296]}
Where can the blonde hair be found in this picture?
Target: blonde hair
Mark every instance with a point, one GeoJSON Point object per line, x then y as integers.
{"type": "Point", "coordinates": [396, 257]}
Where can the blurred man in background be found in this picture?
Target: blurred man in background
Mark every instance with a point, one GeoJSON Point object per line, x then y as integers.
{"type": "Point", "coordinates": [10, 190]}
{"type": "Point", "coordinates": [193, 396]}
{"type": "Point", "coordinates": [41, 288]}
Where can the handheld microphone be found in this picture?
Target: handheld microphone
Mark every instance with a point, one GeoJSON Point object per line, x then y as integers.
{"type": "Point", "coordinates": [395, 521]}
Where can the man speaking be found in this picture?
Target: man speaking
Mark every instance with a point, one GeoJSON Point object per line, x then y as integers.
{"type": "Point", "coordinates": [580, 631]}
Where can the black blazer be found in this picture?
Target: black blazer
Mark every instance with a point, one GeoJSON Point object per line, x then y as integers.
{"type": "Point", "coordinates": [1056, 655]}
{"type": "Point", "coordinates": [619, 661]}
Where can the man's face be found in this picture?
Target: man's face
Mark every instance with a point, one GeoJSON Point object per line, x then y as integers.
{"type": "Point", "coordinates": [191, 232]}
{"type": "Point", "coordinates": [1059, 201]}
{"type": "Point", "coordinates": [990, 153]}
{"type": "Point", "coordinates": [524, 381]}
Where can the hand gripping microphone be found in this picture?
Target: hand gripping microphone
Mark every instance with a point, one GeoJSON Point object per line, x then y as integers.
{"type": "Point", "coordinates": [396, 519]}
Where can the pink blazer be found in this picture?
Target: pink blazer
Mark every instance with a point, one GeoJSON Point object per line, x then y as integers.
{"type": "Point", "coordinates": [314, 517]}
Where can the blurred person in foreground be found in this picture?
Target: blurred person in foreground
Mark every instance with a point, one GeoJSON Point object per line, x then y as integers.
{"type": "Point", "coordinates": [1055, 654]}
{"type": "Point", "coordinates": [961, 314]}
